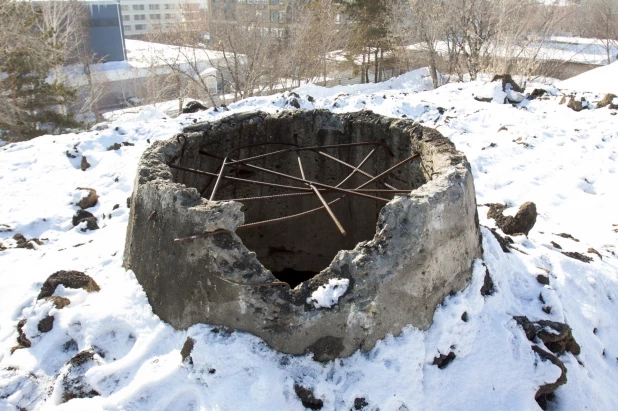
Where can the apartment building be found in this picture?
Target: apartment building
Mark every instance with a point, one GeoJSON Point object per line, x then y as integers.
{"type": "Point", "coordinates": [273, 16]}
{"type": "Point", "coordinates": [140, 17]}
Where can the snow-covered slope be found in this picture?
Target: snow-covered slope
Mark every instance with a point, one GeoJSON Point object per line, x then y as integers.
{"type": "Point", "coordinates": [601, 80]}
{"type": "Point", "coordinates": [538, 151]}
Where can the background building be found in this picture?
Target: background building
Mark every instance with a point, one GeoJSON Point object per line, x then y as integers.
{"type": "Point", "coordinates": [106, 36]}
{"type": "Point", "coordinates": [140, 17]}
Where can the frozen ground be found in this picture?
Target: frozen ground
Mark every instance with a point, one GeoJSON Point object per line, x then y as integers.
{"type": "Point", "coordinates": [538, 151]}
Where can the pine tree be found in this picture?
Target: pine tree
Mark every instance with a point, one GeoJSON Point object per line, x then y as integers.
{"type": "Point", "coordinates": [31, 103]}
{"type": "Point", "coordinates": [371, 35]}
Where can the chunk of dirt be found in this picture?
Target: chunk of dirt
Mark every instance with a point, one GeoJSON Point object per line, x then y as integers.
{"type": "Point", "coordinates": [503, 241]}
{"type": "Point", "coordinates": [577, 256]}
{"type": "Point", "coordinates": [576, 105]}
{"type": "Point", "coordinates": [74, 383]}
{"type": "Point", "coordinates": [593, 251]}
{"type": "Point", "coordinates": [542, 279]}
{"type": "Point", "coordinates": [556, 245]}
{"type": "Point", "coordinates": [69, 279]}
{"type": "Point", "coordinates": [507, 79]}
{"type": "Point", "coordinates": [360, 403]}
{"type": "Point", "coordinates": [569, 236]}
{"type": "Point", "coordinates": [90, 200]}
{"type": "Point", "coordinates": [293, 102]}
{"type": "Point", "coordinates": [193, 107]}
{"type": "Point", "coordinates": [22, 340]}
{"type": "Point", "coordinates": [546, 391]}
{"type": "Point", "coordinates": [557, 337]}
{"type": "Point", "coordinates": [537, 93]}
{"type": "Point", "coordinates": [521, 223]}
{"type": "Point", "coordinates": [84, 164]}
{"type": "Point", "coordinates": [187, 348]}
{"type": "Point", "coordinates": [22, 242]}
{"type": "Point", "coordinates": [307, 398]}
{"type": "Point", "coordinates": [607, 101]}
{"type": "Point", "coordinates": [59, 302]}
{"type": "Point", "coordinates": [46, 324]}
{"type": "Point", "coordinates": [488, 284]}
{"type": "Point", "coordinates": [88, 217]}
{"type": "Point", "coordinates": [443, 360]}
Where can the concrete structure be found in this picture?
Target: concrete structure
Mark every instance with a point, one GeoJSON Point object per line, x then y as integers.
{"type": "Point", "coordinates": [394, 266]}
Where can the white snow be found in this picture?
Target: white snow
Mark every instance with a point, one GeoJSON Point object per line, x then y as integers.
{"type": "Point", "coordinates": [564, 161]}
{"type": "Point", "coordinates": [328, 295]}
{"type": "Point", "coordinates": [601, 80]}
{"type": "Point", "coordinates": [145, 58]}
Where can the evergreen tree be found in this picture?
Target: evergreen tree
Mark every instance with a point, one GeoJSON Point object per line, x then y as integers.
{"type": "Point", "coordinates": [370, 33]}
{"type": "Point", "coordinates": [32, 103]}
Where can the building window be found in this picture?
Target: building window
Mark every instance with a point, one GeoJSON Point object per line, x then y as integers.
{"type": "Point", "coordinates": [140, 27]}
{"type": "Point", "coordinates": [155, 17]}
{"type": "Point", "coordinates": [126, 18]}
{"type": "Point", "coordinates": [153, 7]}
{"type": "Point", "coordinates": [138, 7]}
{"type": "Point", "coordinates": [277, 16]}
{"type": "Point", "coordinates": [170, 6]}
{"type": "Point", "coordinates": [127, 28]}
{"type": "Point", "coordinates": [139, 17]}
{"type": "Point", "coordinates": [124, 8]}
{"type": "Point", "coordinates": [168, 16]}
{"type": "Point", "coordinates": [241, 1]}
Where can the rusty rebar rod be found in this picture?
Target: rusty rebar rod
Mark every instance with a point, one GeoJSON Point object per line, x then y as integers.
{"type": "Point", "coordinates": [293, 216]}
{"type": "Point", "coordinates": [273, 284]}
{"type": "Point", "coordinates": [396, 166]}
{"type": "Point", "coordinates": [312, 148]}
{"type": "Point", "coordinates": [327, 187]}
{"type": "Point", "coordinates": [317, 193]}
{"type": "Point", "coordinates": [355, 169]}
{"type": "Point", "coordinates": [219, 177]}
{"type": "Point", "coordinates": [317, 184]}
{"type": "Point", "coordinates": [195, 237]}
{"type": "Point", "coordinates": [322, 191]}
{"type": "Point", "coordinates": [229, 153]}
{"type": "Point", "coordinates": [241, 180]}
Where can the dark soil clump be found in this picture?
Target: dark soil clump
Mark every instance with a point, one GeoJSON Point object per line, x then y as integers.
{"type": "Point", "coordinates": [578, 256]}
{"type": "Point", "coordinates": [521, 223]}
{"type": "Point", "coordinates": [443, 360]}
{"type": "Point", "coordinates": [88, 217]}
{"type": "Point", "coordinates": [307, 398]}
{"type": "Point", "coordinates": [69, 279]}
{"type": "Point", "coordinates": [488, 285]}
{"type": "Point", "coordinates": [46, 324]}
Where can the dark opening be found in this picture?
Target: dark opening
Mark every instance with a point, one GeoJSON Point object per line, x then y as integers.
{"type": "Point", "coordinates": [294, 277]}
{"type": "Point", "coordinates": [295, 250]}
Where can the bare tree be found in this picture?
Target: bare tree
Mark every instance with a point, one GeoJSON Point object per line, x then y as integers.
{"type": "Point", "coordinates": [601, 22]}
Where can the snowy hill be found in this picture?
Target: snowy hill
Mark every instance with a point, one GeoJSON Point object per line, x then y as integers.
{"type": "Point", "coordinates": [539, 150]}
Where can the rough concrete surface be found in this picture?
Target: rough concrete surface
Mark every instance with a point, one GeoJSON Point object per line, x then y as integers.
{"type": "Point", "coordinates": [401, 259]}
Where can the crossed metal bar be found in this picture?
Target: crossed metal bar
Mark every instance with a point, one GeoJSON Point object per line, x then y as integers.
{"type": "Point", "coordinates": [313, 187]}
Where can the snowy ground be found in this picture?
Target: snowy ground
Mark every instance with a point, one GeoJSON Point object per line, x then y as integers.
{"type": "Point", "coordinates": [538, 151]}
{"type": "Point", "coordinates": [567, 49]}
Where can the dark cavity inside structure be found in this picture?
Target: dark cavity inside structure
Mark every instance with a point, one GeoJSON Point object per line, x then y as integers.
{"type": "Point", "coordinates": [296, 249]}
